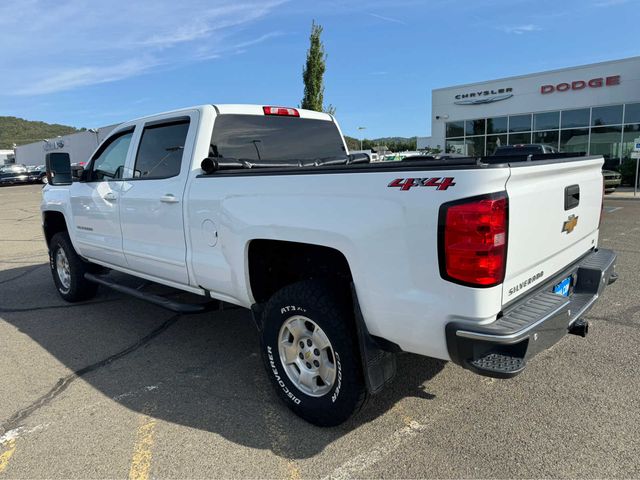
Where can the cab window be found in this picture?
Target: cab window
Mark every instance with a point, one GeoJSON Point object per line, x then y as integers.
{"type": "Point", "coordinates": [160, 151]}
{"type": "Point", "coordinates": [109, 162]}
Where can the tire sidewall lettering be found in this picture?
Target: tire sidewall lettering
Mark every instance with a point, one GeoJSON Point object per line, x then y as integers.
{"type": "Point", "coordinates": [292, 308]}
{"type": "Point", "coordinates": [279, 380]}
{"type": "Point", "coordinates": [336, 392]}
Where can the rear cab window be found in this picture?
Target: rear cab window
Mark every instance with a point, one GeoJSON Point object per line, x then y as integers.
{"type": "Point", "coordinates": [271, 139]}
{"type": "Point", "coordinates": [161, 149]}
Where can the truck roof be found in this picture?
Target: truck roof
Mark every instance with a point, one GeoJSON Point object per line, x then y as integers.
{"type": "Point", "coordinates": [240, 109]}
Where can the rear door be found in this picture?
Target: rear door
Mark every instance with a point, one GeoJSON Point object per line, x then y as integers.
{"type": "Point", "coordinates": [151, 210]}
{"type": "Point", "coordinates": [554, 215]}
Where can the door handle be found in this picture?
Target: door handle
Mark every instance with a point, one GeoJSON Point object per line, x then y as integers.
{"type": "Point", "coordinates": [110, 197]}
{"type": "Point", "coordinates": [169, 198]}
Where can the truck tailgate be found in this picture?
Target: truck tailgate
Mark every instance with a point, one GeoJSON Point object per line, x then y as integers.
{"type": "Point", "coordinates": [554, 216]}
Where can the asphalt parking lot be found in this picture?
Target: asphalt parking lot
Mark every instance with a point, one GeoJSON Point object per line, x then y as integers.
{"type": "Point", "coordinates": [119, 388]}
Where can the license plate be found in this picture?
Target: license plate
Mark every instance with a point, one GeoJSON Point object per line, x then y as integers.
{"type": "Point", "coordinates": [563, 287]}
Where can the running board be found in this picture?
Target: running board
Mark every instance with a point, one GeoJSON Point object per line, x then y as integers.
{"type": "Point", "coordinates": [152, 298]}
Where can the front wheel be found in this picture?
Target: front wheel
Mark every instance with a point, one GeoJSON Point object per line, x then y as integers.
{"type": "Point", "coordinates": [310, 350]}
{"type": "Point", "coordinates": [68, 270]}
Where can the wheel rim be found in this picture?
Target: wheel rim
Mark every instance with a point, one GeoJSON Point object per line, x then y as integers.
{"type": "Point", "coordinates": [307, 356]}
{"type": "Point", "coordinates": [63, 269]}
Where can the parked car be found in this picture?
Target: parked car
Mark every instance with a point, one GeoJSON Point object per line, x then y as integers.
{"type": "Point", "coordinates": [525, 149]}
{"type": "Point", "coordinates": [13, 174]}
{"type": "Point", "coordinates": [37, 174]}
{"type": "Point", "coordinates": [612, 180]}
{"type": "Point", "coordinates": [343, 264]}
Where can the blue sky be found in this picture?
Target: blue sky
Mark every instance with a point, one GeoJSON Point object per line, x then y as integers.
{"type": "Point", "coordinates": [90, 64]}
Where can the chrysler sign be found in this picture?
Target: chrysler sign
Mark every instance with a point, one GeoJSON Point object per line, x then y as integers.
{"type": "Point", "coordinates": [483, 96]}
{"type": "Point", "coordinates": [581, 84]}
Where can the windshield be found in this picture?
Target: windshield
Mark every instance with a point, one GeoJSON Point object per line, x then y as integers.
{"type": "Point", "coordinates": [274, 138]}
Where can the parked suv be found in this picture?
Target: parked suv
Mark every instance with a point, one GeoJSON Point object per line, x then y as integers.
{"type": "Point", "coordinates": [525, 149]}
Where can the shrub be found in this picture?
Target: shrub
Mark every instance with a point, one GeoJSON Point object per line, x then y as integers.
{"type": "Point", "coordinates": [628, 171]}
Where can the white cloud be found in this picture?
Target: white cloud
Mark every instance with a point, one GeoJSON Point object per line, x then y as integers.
{"type": "Point", "coordinates": [520, 29]}
{"type": "Point", "coordinates": [387, 19]}
{"type": "Point", "coordinates": [73, 43]}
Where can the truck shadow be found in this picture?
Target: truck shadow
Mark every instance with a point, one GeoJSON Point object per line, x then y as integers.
{"type": "Point", "coordinates": [202, 371]}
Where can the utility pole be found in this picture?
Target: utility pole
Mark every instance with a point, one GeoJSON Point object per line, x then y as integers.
{"type": "Point", "coordinates": [362, 137]}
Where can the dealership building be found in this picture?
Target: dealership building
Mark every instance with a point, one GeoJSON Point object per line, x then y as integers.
{"type": "Point", "coordinates": [78, 145]}
{"type": "Point", "coordinates": [593, 109]}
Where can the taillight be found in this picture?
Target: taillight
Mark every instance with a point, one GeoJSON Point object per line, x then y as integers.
{"type": "Point", "coordinates": [282, 111]}
{"type": "Point", "coordinates": [472, 240]}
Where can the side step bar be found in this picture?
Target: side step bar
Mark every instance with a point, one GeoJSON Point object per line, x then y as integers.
{"type": "Point", "coordinates": [152, 298]}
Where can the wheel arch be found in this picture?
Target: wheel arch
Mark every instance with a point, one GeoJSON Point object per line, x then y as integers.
{"type": "Point", "coordinates": [53, 222]}
{"type": "Point", "coordinates": [273, 264]}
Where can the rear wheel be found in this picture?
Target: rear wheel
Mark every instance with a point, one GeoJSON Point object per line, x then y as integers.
{"type": "Point", "coordinates": [68, 270]}
{"type": "Point", "coordinates": [310, 350]}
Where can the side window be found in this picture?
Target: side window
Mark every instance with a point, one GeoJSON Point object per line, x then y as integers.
{"type": "Point", "coordinates": [160, 151]}
{"type": "Point", "coordinates": [109, 162]}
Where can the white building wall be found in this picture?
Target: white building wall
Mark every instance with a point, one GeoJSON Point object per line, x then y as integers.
{"type": "Point", "coordinates": [529, 98]}
{"type": "Point", "coordinates": [79, 146]}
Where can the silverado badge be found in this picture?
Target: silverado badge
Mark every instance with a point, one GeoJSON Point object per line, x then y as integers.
{"type": "Point", "coordinates": [570, 224]}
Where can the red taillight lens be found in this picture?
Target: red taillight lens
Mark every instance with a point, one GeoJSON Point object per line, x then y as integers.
{"type": "Point", "coordinates": [282, 111]}
{"type": "Point", "coordinates": [473, 240]}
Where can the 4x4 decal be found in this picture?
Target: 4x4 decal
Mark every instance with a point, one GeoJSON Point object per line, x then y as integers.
{"type": "Point", "coordinates": [437, 182]}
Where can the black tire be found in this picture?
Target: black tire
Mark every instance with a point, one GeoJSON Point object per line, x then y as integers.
{"type": "Point", "coordinates": [331, 310]}
{"type": "Point", "coordinates": [78, 288]}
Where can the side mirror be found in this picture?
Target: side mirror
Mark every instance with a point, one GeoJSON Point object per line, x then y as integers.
{"type": "Point", "coordinates": [58, 168]}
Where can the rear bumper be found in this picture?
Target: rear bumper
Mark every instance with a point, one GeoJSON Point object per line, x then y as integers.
{"type": "Point", "coordinates": [535, 323]}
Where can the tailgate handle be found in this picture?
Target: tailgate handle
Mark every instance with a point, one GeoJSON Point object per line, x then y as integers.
{"type": "Point", "coordinates": [571, 197]}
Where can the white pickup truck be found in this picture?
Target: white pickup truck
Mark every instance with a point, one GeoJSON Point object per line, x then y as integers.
{"type": "Point", "coordinates": [344, 263]}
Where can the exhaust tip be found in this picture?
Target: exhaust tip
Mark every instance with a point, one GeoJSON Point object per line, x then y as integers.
{"type": "Point", "coordinates": [580, 328]}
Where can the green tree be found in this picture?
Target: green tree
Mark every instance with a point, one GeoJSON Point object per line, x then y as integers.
{"type": "Point", "coordinates": [313, 73]}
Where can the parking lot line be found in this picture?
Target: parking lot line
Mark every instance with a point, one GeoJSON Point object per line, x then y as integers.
{"type": "Point", "coordinates": [142, 449]}
{"type": "Point", "coordinates": [10, 448]}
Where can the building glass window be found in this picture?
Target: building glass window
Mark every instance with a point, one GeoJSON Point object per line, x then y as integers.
{"type": "Point", "coordinates": [474, 146]}
{"type": "Point", "coordinates": [519, 138]}
{"type": "Point", "coordinates": [611, 115]}
{"type": "Point", "coordinates": [575, 118]}
{"type": "Point", "coordinates": [550, 137]}
{"type": "Point", "coordinates": [495, 141]}
{"type": "Point", "coordinates": [455, 129]}
{"type": "Point", "coordinates": [455, 145]}
{"type": "Point", "coordinates": [474, 127]}
{"type": "Point", "coordinates": [631, 132]}
{"type": "Point", "coordinates": [606, 141]}
{"type": "Point", "coordinates": [575, 140]}
{"type": "Point", "coordinates": [546, 121]}
{"type": "Point", "coordinates": [520, 123]}
{"type": "Point", "coordinates": [632, 113]}
{"type": "Point", "coordinates": [497, 125]}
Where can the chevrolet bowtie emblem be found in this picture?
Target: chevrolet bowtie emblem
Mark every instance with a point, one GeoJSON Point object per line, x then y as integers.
{"type": "Point", "coordinates": [570, 224]}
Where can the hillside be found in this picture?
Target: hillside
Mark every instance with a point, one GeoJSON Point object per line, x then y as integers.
{"type": "Point", "coordinates": [21, 131]}
{"type": "Point", "coordinates": [395, 144]}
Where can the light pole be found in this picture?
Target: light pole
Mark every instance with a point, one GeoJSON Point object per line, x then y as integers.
{"type": "Point", "coordinates": [361, 138]}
